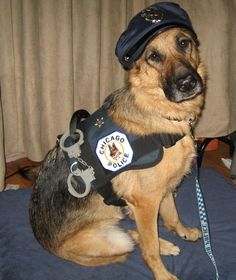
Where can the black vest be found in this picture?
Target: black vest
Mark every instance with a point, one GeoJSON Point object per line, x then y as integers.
{"type": "Point", "coordinates": [110, 150]}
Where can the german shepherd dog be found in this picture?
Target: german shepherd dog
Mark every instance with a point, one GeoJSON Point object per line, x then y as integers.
{"type": "Point", "coordinates": [165, 93]}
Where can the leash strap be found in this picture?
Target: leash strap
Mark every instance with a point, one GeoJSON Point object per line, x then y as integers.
{"type": "Point", "coordinates": [204, 220]}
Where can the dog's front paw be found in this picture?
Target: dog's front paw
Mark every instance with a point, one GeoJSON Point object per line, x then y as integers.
{"type": "Point", "coordinates": [167, 276]}
{"type": "Point", "coordinates": [167, 248]}
{"type": "Point", "coordinates": [172, 277]}
{"type": "Point", "coordinates": [191, 234]}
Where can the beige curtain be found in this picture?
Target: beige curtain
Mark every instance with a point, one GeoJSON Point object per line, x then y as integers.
{"type": "Point", "coordinates": [2, 158]}
{"type": "Point", "coordinates": [58, 55]}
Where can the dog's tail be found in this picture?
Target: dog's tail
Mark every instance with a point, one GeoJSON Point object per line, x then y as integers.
{"type": "Point", "coordinates": [30, 173]}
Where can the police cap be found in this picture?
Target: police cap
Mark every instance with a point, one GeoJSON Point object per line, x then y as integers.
{"type": "Point", "coordinates": [147, 24]}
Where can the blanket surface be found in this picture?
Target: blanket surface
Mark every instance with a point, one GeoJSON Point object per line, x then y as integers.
{"type": "Point", "coordinates": [22, 258]}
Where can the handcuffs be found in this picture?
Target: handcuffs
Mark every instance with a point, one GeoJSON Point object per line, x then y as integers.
{"type": "Point", "coordinates": [77, 175]}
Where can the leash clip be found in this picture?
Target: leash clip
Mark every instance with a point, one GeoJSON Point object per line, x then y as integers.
{"type": "Point", "coordinates": [190, 124]}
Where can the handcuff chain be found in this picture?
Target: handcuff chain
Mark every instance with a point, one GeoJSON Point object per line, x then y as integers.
{"type": "Point", "coordinates": [80, 160]}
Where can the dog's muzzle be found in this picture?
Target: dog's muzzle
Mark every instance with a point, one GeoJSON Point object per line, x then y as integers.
{"type": "Point", "coordinates": [185, 83]}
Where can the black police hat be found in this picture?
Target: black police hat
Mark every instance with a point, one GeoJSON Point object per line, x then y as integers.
{"type": "Point", "coordinates": [147, 24]}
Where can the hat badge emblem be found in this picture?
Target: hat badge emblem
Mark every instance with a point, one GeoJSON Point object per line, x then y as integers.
{"type": "Point", "coordinates": [152, 14]}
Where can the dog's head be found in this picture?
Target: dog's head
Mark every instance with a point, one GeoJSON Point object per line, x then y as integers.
{"type": "Point", "coordinates": [114, 151]}
{"type": "Point", "coordinates": [174, 57]}
{"type": "Point", "coordinates": [160, 50]}
{"type": "Point", "coordinates": [170, 66]}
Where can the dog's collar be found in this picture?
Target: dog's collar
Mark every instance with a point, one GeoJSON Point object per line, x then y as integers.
{"type": "Point", "coordinates": [188, 121]}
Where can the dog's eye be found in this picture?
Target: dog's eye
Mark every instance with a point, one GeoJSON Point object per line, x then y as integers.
{"type": "Point", "coordinates": [155, 56]}
{"type": "Point", "coordinates": [184, 43]}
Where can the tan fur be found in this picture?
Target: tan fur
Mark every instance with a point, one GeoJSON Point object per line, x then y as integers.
{"type": "Point", "coordinates": [143, 109]}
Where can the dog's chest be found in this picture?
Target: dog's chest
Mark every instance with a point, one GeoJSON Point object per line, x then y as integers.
{"type": "Point", "coordinates": [178, 160]}
{"type": "Point", "coordinates": [166, 175]}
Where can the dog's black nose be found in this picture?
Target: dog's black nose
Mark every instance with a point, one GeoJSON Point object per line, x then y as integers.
{"type": "Point", "coordinates": [186, 84]}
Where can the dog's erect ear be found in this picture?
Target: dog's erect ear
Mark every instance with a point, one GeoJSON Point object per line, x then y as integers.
{"type": "Point", "coordinates": [197, 43]}
{"type": "Point", "coordinates": [110, 148]}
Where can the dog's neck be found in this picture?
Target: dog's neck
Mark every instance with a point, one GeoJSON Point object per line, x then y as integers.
{"type": "Point", "coordinates": [189, 120]}
{"type": "Point", "coordinates": [145, 120]}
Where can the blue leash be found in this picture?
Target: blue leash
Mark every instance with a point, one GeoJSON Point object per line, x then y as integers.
{"type": "Point", "coordinates": [204, 219]}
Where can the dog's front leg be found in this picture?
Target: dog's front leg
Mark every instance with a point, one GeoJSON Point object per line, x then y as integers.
{"type": "Point", "coordinates": [145, 211]}
{"type": "Point", "coordinates": [172, 222]}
